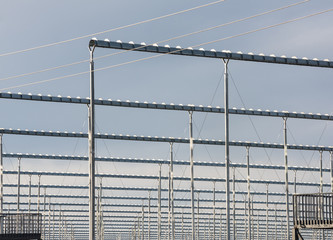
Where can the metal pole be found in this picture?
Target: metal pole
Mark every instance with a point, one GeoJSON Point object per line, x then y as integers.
{"type": "Point", "coordinates": [248, 188]}
{"type": "Point", "coordinates": [182, 224]}
{"type": "Point", "coordinates": [252, 219]}
{"type": "Point", "coordinates": [18, 183]}
{"type": "Point", "coordinates": [257, 225]}
{"type": "Point", "coordinates": [38, 197]}
{"type": "Point", "coordinates": [53, 223]}
{"type": "Point", "coordinates": [321, 171]}
{"type": "Point", "coordinates": [149, 215]}
{"type": "Point", "coordinates": [266, 211]}
{"type": "Point", "coordinates": [286, 176]}
{"type": "Point", "coordinates": [198, 212]}
{"type": "Point", "coordinates": [29, 200]}
{"type": "Point", "coordinates": [169, 203]}
{"type": "Point", "coordinates": [91, 136]}
{"type": "Point", "coordinates": [173, 233]}
{"type": "Point", "coordinates": [245, 211]}
{"type": "Point", "coordinates": [44, 210]}
{"type": "Point", "coordinates": [275, 223]}
{"type": "Point", "coordinates": [234, 203]}
{"type": "Point", "coordinates": [159, 203]}
{"type": "Point", "coordinates": [295, 181]}
{"type": "Point", "coordinates": [221, 225]}
{"type": "Point", "coordinates": [227, 160]}
{"type": "Point", "coordinates": [192, 174]}
{"type": "Point", "coordinates": [331, 156]}
{"type": "Point", "coordinates": [1, 176]}
{"type": "Point", "coordinates": [214, 206]}
{"type": "Point", "coordinates": [143, 222]}
{"type": "Point", "coordinates": [49, 227]}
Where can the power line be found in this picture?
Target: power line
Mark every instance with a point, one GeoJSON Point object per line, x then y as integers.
{"type": "Point", "coordinates": [159, 55]}
{"type": "Point", "coordinates": [110, 30]}
{"type": "Point", "coordinates": [159, 42]}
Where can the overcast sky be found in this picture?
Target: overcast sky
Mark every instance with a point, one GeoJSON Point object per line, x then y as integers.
{"type": "Point", "coordinates": [169, 79]}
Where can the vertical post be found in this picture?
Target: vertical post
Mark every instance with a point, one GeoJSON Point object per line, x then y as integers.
{"type": "Point", "coordinates": [143, 222]}
{"type": "Point", "coordinates": [321, 171]}
{"type": "Point", "coordinates": [49, 225]}
{"type": "Point", "coordinates": [38, 193]}
{"type": "Point", "coordinates": [159, 204]}
{"type": "Point", "coordinates": [295, 182]}
{"type": "Point", "coordinates": [91, 136]}
{"type": "Point", "coordinates": [234, 203]}
{"type": "Point", "coordinates": [252, 219]}
{"type": "Point", "coordinates": [267, 211]}
{"type": "Point", "coordinates": [53, 224]}
{"type": "Point", "coordinates": [220, 225]}
{"type": "Point", "coordinates": [171, 193]}
{"type": "Point", "coordinates": [198, 212]}
{"type": "Point", "coordinates": [331, 157]}
{"type": "Point", "coordinates": [44, 210]}
{"type": "Point", "coordinates": [214, 207]}
{"type": "Point", "coordinates": [248, 189]}
{"type": "Point", "coordinates": [1, 176]}
{"type": "Point", "coordinates": [192, 174]}
{"type": "Point", "coordinates": [29, 200]}
{"type": "Point", "coordinates": [227, 160]}
{"type": "Point", "coordinates": [149, 193]}
{"type": "Point", "coordinates": [257, 225]}
{"type": "Point", "coordinates": [275, 223]}
{"type": "Point", "coordinates": [18, 183]}
{"type": "Point", "coordinates": [182, 224]}
{"type": "Point", "coordinates": [286, 176]}
{"type": "Point", "coordinates": [246, 230]}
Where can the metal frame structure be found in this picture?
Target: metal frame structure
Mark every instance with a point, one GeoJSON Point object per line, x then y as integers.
{"type": "Point", "coordinates": [154, 224]}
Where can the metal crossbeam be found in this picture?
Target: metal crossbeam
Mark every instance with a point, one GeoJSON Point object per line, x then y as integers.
{"type": "Point", "coordinates": [133, 176]}
{"type": "Point", "coordinates": [164, 106]}
{"type": "Point", "coordinates": [162, 139]}
{"type": "Point", "coordinates": [211, 54]}
{"type": "Point", "coordinates": [159, 161]}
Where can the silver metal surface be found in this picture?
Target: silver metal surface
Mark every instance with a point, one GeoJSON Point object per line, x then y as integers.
{"type": "Point", "coordinates": [192, 172]}
{"type": "Point", "coordinates": [286, 177]}
{"type": "Point", "coordinates": [226, 139]}
{"type": "Point", "coordinates": [91, 140]}
{"type": "Point", "coordinates": [210, 54]}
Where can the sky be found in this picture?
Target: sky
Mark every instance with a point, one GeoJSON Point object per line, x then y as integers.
{"type": "Point", "coordinates": [169, 79]}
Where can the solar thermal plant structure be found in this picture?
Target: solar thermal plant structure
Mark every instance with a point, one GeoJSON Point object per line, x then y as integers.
{"type": "Point", "coordinates": [208, 208]}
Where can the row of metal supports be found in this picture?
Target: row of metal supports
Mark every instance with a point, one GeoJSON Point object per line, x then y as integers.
{"type": "Point", "coordinates": [91, 133]}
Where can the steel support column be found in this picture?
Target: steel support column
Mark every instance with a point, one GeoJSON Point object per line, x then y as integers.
{"type": "Point", "coordinates": [1, 176]}
{"type": "Point", "coordinates": [248, 189]}
{"type": "Point", "coordinates": [192, 172]}
{"type": "Point", "coordinates": [18, 183]}
{"type": "Point", "coordinates": [198, 212]}
{"type": "Point", "coordinates": [214, 206]}
{"type": "Point", "coordinates": [331, 158]}
{"type": "Point", "coordinates": [266, 211]}
{"type": "Point", "coordinates": [91, 139]}
{"type": "Point", "coordinates": [227, 160]}
{"type": "Point", "coordinates": [286, 176]}
{"type": "Point", "coordinates": [149, 194]}
{"type": "Point", "coordinates": [159, 203]}
{"type": "Point", "coordinates": [234, 204]}
{"type": "Point", "coordinates": [29, 198]}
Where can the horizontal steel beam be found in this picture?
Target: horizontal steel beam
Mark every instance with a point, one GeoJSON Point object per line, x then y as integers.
{"type": "Point", "coordinates": [145, 189]}
{"type": "Point", "coordinates": [161, 139]}
{"type": "Point", "coordinates": [164, 106]}
{"type": "Point", "coordinates": [210, 54]}
{"type": "Point", "coordinates": [150, 177]}
{"type": "Point", "coordinates": [158, 161]}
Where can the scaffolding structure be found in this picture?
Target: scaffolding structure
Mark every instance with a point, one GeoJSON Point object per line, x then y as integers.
{"type": "Point", "coordinates": [149, 217]}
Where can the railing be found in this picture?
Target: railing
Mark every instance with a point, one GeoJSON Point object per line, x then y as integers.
{"type": "Point", "coordinates": [313, 210]}
{"type": "Point", "coordinates": [21, 223]}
